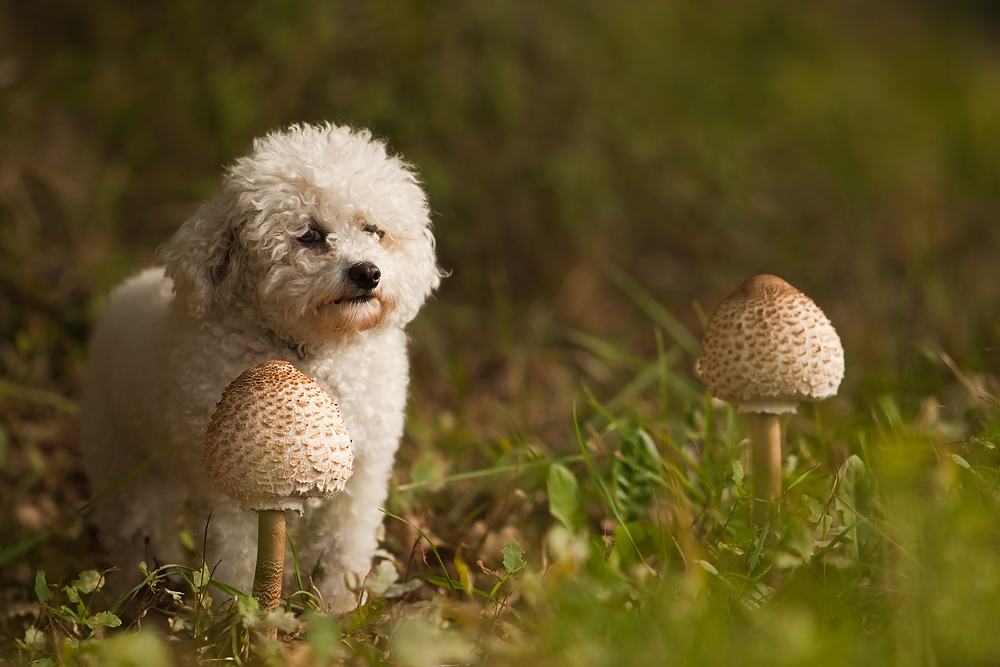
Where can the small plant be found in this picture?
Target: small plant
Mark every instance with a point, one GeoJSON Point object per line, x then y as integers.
{"type": "Point", "coordinates": [66, 618]}
{"type": "Point", "coordinates": [72, 629]}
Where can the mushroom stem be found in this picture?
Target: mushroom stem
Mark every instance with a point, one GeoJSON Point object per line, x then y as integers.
{"type": "Point", "coordinates": [765, 436]}
{"type": "Point", "coordinates": [270, 561]}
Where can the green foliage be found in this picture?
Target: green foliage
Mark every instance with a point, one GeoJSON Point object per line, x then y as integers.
{"type": "Point", "coordinates": [78, 594]}
{"type": "Point", "coordinates": [145, 649]}
{"type": "Point", "coordinates": [41, 587]}
{"type": "Point", "coordinates": [513, 558]}
{"type": "Point", "coordinates": [77, 632]}
{"type": "Point", "coordinates": [324, 635]}
{"type": "Point", "coordinates": [564, 497]}
{"type": "Point", "coordinates": [635, 473]}
{"type": "Point", "coordinates": [858, 503]}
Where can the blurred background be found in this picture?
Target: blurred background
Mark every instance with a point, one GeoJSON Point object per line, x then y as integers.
{"type": "Point", "coordinates": [592, 165]}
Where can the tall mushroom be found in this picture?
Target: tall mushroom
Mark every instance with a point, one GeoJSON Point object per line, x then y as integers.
{"type": "Point", "coordinates": [275, 439]}
{"type": "Point", "coordinates": [768, 347]}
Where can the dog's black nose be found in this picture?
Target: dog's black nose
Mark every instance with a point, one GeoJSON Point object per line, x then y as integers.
{"type": "Point", "coordinates": [365, 275]}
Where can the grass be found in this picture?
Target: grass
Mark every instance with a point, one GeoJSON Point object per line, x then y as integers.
{"type": "Point", "coordinates": [602, 174]}
{"type": "Point", "coordinates": [639, 547]}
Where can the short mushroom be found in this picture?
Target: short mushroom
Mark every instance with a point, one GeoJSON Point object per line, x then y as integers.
{"type": "Point", "coordinates": [275, 439]}
{"type": "Point", "coordinates": [768, 347]}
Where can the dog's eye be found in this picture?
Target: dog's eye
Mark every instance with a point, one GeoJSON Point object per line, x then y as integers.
{"type": "Point", "coordinates": [372, 229]}
{"type": "Point", "coordinates": [312, 237]}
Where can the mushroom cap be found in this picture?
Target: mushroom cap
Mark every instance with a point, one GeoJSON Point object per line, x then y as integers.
{"type": "Point", "coordinates": [276, 438]}
{"type": "Point", "coordinates": [768, 347]}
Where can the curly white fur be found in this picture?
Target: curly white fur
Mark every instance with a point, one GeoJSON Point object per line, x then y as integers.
{"type": "Point", "coordinates": [317, 251]}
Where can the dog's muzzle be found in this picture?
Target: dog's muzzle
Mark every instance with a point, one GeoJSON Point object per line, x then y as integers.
{"type": "Point", "coordinates": [362, 279]}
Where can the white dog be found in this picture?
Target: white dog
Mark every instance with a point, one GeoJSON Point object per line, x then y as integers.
{"type": "Point", "coordinates": [317, 251]}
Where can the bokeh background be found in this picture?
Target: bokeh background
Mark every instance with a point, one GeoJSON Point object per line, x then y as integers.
{"type": "Point", "coordinates": [592, 165]}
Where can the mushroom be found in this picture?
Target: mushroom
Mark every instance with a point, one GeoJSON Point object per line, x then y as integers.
{"type": "Point", "coordinates": [275, 439]}
{"type": "Point", "coordinates": [768, 347]}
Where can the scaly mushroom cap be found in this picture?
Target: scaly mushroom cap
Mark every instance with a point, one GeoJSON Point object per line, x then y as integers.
{"type": "Point", "coordinates": [276, 437]}
{"type": "Point", "coordinates": [768, 347]}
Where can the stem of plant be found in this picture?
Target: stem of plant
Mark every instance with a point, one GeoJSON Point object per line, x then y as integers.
{"type": "Point", "coordinates": [765, 438]}
{"type": "Point", "coordinates": [270, 562]}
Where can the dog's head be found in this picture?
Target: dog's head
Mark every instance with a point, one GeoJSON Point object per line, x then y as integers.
{"type": "Point", "coordinates": [318, 230]}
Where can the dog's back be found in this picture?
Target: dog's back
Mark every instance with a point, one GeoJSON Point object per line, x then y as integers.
{"type": "Point", "coordinates": [121, 393]}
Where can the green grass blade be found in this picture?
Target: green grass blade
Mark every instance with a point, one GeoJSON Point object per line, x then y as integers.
{"type": "Point", "coordinates": [602, 486]}
{"type": "Point", "coordinates": [450, 583]}
{"type": "Point", "coordinates": [655, 310]}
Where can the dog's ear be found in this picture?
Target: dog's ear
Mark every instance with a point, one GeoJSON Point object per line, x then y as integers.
{"type": "Point", "coordinates": [199, 255]}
